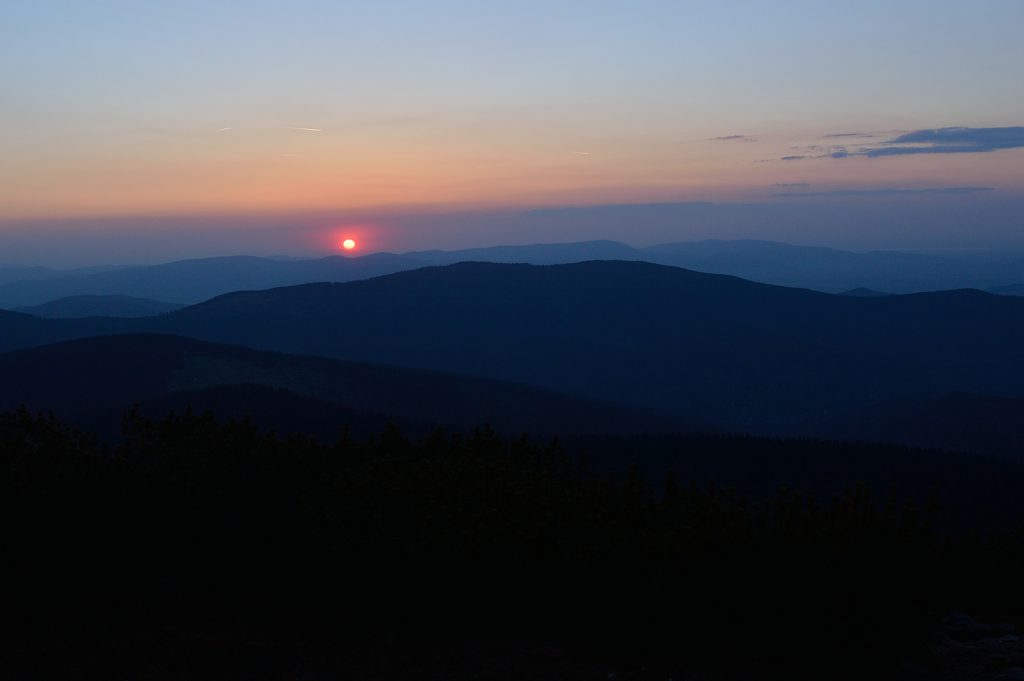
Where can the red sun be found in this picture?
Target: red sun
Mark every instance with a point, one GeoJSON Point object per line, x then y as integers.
{"type": "Point", "coordinates": [348, 244]}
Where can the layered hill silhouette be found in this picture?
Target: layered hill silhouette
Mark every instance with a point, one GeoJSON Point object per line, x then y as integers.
{"type": "Point", "coordinates": [192, 281]}
{"type": "Point", "coordinates": [100, 306]}
{"type": "Point", "coordinates": [15, 273]}
{"type": "Point", "coordinates": [953, 422]}
{"type": "Point", "coordinates": [710, 348]}
{"type": "Point", "coordinates": [1009, 290]}
{"type": "Point", "coordinates": [93, 381]}
{"type": "Point", "coordinates": [9, 273]}
{"type": "Point", "coordinates": [825, 269]}
{"type": "Point", "coordinates": [864, 293]}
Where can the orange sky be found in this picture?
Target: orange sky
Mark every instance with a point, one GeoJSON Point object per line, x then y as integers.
{"type": "Point", "coordinates": [111, 109]}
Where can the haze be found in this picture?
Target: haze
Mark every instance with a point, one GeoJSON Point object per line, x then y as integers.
{"type": "Point", "coordinates": [480, 341]}
{"type": "Point", "coordinates": [148, 132]}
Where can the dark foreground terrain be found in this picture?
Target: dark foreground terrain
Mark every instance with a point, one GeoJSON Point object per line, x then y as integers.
{"type": "Point", "coordinates": [200, 549]}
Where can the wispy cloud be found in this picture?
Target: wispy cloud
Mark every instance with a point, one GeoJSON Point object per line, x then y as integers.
{"type": "Point", "coordinates": [928, 141]}
{"type": "Point", "coordinates": [849, 134]}
{"type": "Point", "coordinates": [944, 141]}
{"type": "Point", "coordinates": [820, 151]}
{"type": "Point", "coordinates": [951, 141]}
{"type": "Point", "coordinates": [304, 129]}
{"type": "Point", "coordinates": [887, 191]}
{"type": "Point", "coordinates": [792, 185]}
{"type": "Point", "coordinates": [224, 129]}
{"type": "Point", "coordinates": [582, 153]}
{"type": "Point", "coordinates": [726, 138]}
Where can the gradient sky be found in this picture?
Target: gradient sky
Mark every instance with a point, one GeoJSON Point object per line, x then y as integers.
{"type": "Point", "coordinates": [112, 113]}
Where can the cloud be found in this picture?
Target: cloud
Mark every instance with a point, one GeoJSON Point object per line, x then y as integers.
{"type": "Point", "coordinates": [849, 134]}
{"type": "Point", "coordinates": [304, 129]}
{"type": "Point", "coordinates": [582, 153]}
{"type": "Point", "coordinates": [726, 138]}
{"type": "Point", "coordinates": [835, 151]}
{"type": "Point", "coordinates": [792, 185]}
{"type": "Point", "coordinates": [949, 141]}
{"type": "Point", "coordinates": [889, 191]}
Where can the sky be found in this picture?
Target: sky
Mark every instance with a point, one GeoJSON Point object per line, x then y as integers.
{"type": "Point", "coordinates": [153, 130]}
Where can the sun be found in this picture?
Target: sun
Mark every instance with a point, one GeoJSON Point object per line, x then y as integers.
{"type": "Point", "coordinates": [348, 244]}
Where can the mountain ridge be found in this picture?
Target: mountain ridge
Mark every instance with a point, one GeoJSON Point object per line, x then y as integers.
{"type": "Point", "coordinates": [819, 268]}
{"type": "Point", "coordinates": [97, 378]}
{"type": "Point", "coordinates": [710, 348]}
{"type": "Point", "coordinates": [73, 307]}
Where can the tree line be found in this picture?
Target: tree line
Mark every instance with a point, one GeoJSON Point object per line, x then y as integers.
{"type": "Point", "coordinates": [477, 533]}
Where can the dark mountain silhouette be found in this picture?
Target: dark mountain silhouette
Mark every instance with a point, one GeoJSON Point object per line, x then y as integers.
{"type": "Point", "coordinates": [272, 409]}
{"type": "Point", "coordinates": [204, 549]}
{"type": "Point", "coordinates": [20, 330]}
{"type": "Point", "coordinates": [534, 254]}
{"type": "Point", "coordinates": [92, 381]}
{"type": "Point", "coordinates": [192, 281]}
{"type": "Point", "coordinates": [99, 306]}
{"type": "Point", "coordinates": [711, 348]}
{"type": "Point", "coordinates": [716, 348]}
{"type": "Point", "coordinates": [825, 269]}
{"type": "Point", "coordinates": [1009, 290]}
{"type": "Point", "coordinates": [864, 293]}
{"type": "Point", "coordinates": [956, 422]}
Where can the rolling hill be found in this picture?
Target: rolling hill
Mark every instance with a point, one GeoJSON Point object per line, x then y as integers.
{"type": "Point", "coordinates": [74, 307]}
{"type": "Point", "coordinates": [717, 348]}
{"type": "Point", "coordinates": [863, 293]}
{"type": "Point", "coordinates": [92, 381]}
{"type": "Point", "coordinates": [1008, 290]}
{"type": "Point", "coordinates": [192, 281]}
{"type": "Point", "coordinates": [952, 422]}
{"type": "Point", "coordinates": [824, 269]}
{"type": "Point", "coordinates": [709, 348]}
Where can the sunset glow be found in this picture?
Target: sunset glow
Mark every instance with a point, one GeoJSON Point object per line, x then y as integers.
{"type": "Point", "coordinates": [451, 115]}
{"type": "Point", "coordinates": [348, 244]}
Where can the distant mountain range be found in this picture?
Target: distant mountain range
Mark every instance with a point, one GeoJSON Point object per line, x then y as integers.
{"type": "Point", "coordinates": [9, 273]}
{"type": "Point", "coordinates": [864, 293]}
{"type": "Point", "coordinates": [824, 269]}
{"type": "Point", "coordinates": [953, 422]}
{"type": "Point", "coordinates": [1011, 290]}
{"type": "Point", "coordinates": [91, 382]}
{"type": "Point", "coordinates": [704, 348]}
{"type": "Point", "coordinates": [74, 307]}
